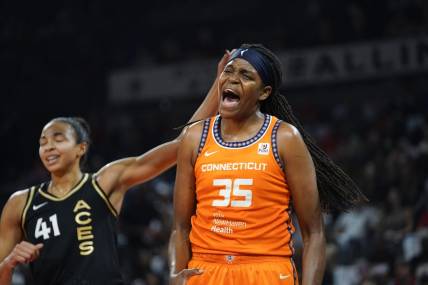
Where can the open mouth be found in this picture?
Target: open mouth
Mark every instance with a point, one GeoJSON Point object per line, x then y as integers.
{"type": "Point", "coordinates": [229, 96]}
{"type": "Point", "coordinates": [52, 159]}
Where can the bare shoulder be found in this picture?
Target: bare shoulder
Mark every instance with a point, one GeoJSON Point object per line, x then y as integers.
{"type": "Point", "coordinates": [16, 203]}
{"type": "Point", "coordinates": [288, 132]}
{"type": "Point", "coordinates": [290, 142]}
{"type": "Point", "coordinates": [193, 132]}
{"type": "Point", "coordinates": [19, 197]}
{"type": "Point", "coordinates": [190, 142]}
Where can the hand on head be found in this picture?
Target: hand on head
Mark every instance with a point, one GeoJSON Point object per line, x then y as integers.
{"type": "Point", "coordinates": [223, 61]}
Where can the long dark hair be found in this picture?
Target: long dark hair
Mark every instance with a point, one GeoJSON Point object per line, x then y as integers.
{"type": "Point", "coordinates": [336, 189]}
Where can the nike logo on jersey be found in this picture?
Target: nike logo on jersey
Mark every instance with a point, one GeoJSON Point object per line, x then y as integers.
{"type": "Point", "coordinates": [36, 207]}
{"type": "Point", "coordinates": [243, 51]}
{"type": "Point", "coordinates": [210, 153]}
{"type": "Point", "coordinates": [283, 277]}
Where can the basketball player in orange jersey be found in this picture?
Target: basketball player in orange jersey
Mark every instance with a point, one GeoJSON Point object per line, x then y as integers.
{"type": "Point", "coordinates": [240, 174]}
{"type": "Point", "coordinates": [66, 227]}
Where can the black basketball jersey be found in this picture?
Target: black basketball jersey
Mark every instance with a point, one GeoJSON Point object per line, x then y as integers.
{"type": "Point", "coordinates": [78, 232]}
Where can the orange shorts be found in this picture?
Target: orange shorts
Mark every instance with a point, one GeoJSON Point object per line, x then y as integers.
{"type": "Point", "coordinates": [239, 270]}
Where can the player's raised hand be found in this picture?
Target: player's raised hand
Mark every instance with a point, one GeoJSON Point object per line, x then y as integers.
{"type": "Point", "coordinates": [23, 252]}
{"type": "Point", "coordinates": [223, 61]}
{"type": "Point", "coordinates": [183, 275]}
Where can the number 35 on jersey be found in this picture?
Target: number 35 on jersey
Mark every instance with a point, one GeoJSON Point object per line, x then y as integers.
{"type": "Point", "coordinates": [233, 194]}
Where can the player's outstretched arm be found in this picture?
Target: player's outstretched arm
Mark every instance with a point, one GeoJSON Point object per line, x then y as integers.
{"type": "Point", "coordinates": [14, 251]}
{"type": "Point", "coordinates": [301, 178]}
{"type": "Point", "coordinates": [120, 175]}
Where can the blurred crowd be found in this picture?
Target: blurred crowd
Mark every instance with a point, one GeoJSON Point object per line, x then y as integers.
{"type": "Point", "coordinates": [77, 43]}
{"type": "Point", "coordinates": [381, 138]}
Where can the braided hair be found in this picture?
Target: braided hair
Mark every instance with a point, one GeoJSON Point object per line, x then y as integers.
{"type": "Point", "coordinates": [336, 189]}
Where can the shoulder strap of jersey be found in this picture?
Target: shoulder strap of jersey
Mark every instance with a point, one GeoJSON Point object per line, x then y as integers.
{"type": "Point", "coordinates": [204, 134]}
{"type": "Point", "coordinates": [28, 201]}
{"type": "Point", "coordinates": [103, 195]}
{"type": "Point", "coordinates": [275, 143]}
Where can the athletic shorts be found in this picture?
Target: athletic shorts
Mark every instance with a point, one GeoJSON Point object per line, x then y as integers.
{"type": "Point", "coordinates": [242, 270]}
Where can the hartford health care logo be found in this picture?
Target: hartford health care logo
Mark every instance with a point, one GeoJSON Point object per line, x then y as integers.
{"type": "Point", "coordinates": [264, 148]}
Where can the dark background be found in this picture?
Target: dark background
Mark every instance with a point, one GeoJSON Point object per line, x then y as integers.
{"type": "Point", "coordinates": [56, 60]}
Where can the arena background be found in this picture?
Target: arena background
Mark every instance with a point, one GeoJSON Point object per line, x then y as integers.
{"type": "Point", "coordinates": [356, 75]}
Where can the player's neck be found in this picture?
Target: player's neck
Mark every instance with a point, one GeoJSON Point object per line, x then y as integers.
{"type": "Point", "coordinates": [61, 184]}
{"type": "Point", "coordinates": [241, 129]}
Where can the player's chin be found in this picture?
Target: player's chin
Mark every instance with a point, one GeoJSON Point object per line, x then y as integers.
{"type": "Point", "coordinates": [52, 167]}
{"type": "Point", "coordinates": [228, 113]}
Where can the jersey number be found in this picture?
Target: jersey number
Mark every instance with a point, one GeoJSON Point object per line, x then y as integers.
{"type": "Point", "coordinates": [233, 187]}
{"type": "Point", "coordinates": [42, 229]}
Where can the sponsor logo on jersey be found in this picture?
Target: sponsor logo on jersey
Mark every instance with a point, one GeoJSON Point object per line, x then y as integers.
{"type": "Point", "coordinates": [264, 148]}
{"type": "Point", "coordinates": [36, 207]}
{"type": "Point", "coordinates": [209, 153]}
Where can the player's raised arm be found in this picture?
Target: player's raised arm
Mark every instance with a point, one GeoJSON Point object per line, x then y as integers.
{"type": "Point", "coordinates": [122, 174]}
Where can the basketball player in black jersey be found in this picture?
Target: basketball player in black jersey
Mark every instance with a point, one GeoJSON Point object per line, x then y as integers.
{"type": "Point", "coordinates": [66, 228]}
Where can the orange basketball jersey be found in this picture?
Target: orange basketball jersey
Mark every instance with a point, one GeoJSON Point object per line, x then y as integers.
{"type": "Point", "coordinates": [243, 201]}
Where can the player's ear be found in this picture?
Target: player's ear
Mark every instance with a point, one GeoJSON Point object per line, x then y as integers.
{"type": "Point", "coordinates": [267, 90]}
{"type": "Point", "coordinates": [83, 147]}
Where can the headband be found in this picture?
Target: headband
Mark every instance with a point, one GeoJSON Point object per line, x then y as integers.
{"type": "Point", "coordinates": [259, 61]}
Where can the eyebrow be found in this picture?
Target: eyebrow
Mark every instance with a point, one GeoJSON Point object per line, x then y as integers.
{"type": "Point", "coordinates": [55, 134]}
{"type": "Point", "coordinates": [241, 69]}
{"type": "Point", "coordinates": [244, 70]}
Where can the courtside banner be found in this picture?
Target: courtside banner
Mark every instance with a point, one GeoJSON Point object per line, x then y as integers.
{"type": "Point", "coordinates": [306, 67]}
{"type": "Point", "coordinates": [355, 61]}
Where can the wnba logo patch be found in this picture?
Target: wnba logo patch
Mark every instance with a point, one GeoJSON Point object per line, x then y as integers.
{"type": "Point", "coordinates": [264, 148]}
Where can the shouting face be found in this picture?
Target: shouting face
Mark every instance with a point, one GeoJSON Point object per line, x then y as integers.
{"type": "Point", "coordinates": [241, 89]}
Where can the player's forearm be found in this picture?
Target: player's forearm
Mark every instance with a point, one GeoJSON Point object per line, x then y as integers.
{"type": "Point", "coordinates": [166, 154]}
{"type": "Point", "coordinates": [180, 251]}
{"type": "Point", "coordinates": [137, 170]}
{"type": "Point", "coordinates": [209, 106]}
{"type": "Point", "coordinates": [171, 251]}
{"type": "Point", "coordinates": [313, 259]}
{"type": "Point", "coordinates": [6, 273]}
{"type": "Point", "coordinates": [159, 159]}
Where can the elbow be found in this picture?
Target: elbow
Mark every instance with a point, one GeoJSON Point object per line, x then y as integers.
{"type": "Point", "coordinates": [315, 242]}
{"type": "Point", "coordinates": [182, 230]}
{"type": "Point", "coordinates": [182, 134]}
{"type": "Point", "coordinates": [316, 235]}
